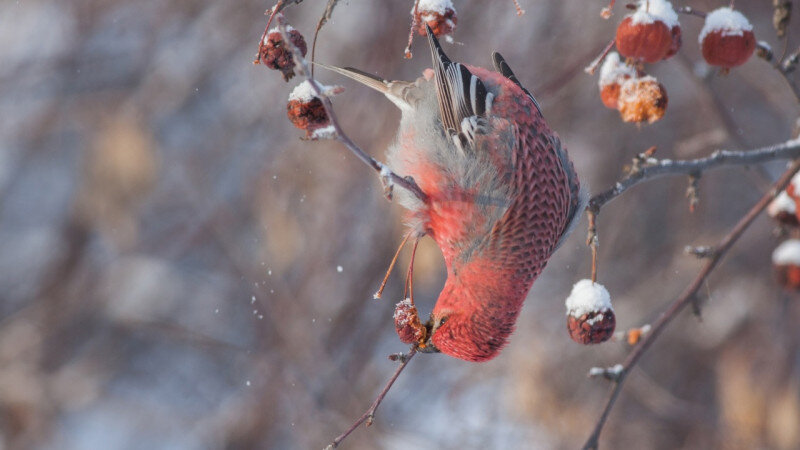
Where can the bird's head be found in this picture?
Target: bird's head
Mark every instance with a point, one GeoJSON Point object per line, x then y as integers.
{"type": "Point", "coordinates": [472, 322]}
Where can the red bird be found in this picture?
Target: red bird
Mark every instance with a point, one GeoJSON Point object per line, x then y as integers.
{"type": "Point", "coordinates": [502, 193]}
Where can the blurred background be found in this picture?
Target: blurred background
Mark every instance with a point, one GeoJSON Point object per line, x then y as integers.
{"type": "Point", "coordinates": [180, 271]}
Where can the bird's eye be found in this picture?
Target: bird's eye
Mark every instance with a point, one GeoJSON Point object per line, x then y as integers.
{"type": "Point", "coordinates": [442, 321]}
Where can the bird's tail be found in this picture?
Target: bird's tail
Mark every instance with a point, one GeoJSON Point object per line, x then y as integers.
{"type": "Point", "coordinates": [367, 79]}
{"type": "Point", "coordinates": [402, 93]}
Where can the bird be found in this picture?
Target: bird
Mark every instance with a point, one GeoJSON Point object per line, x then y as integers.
{"type": "Point", "coordinates": [501, 193]}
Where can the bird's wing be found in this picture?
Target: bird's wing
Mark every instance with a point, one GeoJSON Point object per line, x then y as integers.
{"type": "Point", "coordinates": [578, 196]}
{"type": "Point", "coordinates": [461, 94]}
{"type": "Point", "coordinates": [502, 66]}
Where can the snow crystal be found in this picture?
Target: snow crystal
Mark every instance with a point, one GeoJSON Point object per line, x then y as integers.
{"type": "Point", "coordinates": [323, 133]}
{"type": "Point", "coordinates": [588, 297]}
{"type": "Point", "coordinates": [437, 6]}
{"type": "Point", "coordinates": [787, 253]}
{"type": "Point", "coordinates": [304, 92]}
{"type": "Point", "coordinates": [628, 93]}
{"type": "Point", "coordinates": [726, 20]}
{"type": "Point", "coordinates": [782, 203]}
{"type": "Point", "coordinates": [652, 10]}
{"type": "Point", "coordinates": [276, 30]}
{"type": "Point", "coordinates": [339, 269]}
{"type": "Point", "coordinates": [614, 70]}
{"type": "Point", "coordinates": [402, 310]}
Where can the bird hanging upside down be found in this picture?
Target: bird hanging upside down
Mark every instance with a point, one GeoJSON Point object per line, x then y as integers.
{"type": "Point", "coordinates": [501, 191]}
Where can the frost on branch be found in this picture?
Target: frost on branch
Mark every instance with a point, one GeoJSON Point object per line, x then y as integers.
{"type": "Point", "coordinates": [590, 316]}
{"type": "Point", "coordinates": [407, 323]}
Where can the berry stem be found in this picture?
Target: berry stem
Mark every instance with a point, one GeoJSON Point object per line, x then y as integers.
{"type": "Point", "coordinates": [414, 23]}
{"type": "Point", "coordinates": [378, 294]}
{"type": "Point", "coordinates": [592, 67]}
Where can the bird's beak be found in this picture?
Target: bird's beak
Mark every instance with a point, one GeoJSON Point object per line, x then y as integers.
{"type": "Point", "coordinates": [427, 347]}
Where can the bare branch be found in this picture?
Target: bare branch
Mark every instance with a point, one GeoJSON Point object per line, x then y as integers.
{"type": "Point", "coordinates": [686, 298]}
{"type": "Point", "coordinates": [369, 415]}
{"type": "Point", "coordinates": [383, 171]}
{"type": "Point", "coordinates": [694, 167]}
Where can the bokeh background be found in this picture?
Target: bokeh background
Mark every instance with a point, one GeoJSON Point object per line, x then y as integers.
{"type": "Point", "coordinates": [178, 270]}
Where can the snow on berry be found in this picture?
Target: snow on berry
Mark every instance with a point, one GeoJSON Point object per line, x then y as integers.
{"type": "Point", "coordinates": [305, 109]}
{"type": "Point", "coordinates": [650, 34]}
{"type": "Point", "coordinates": [786, 262]}
{"type": "Point", "coordinates": [727, 39]}
{"type": "Point", "coordinates": [642, 100]}
{"type": "Point", "coordinates": [440, 15]}
{"type": "Point", "coordinates": [275, 55]}
{"type": "Point", "coordinates": [407, 323]}
{"type": "Point", "coordinates": [613, 73]}
{"type": "Point", "coordinates": [590, 317]}
{"type": "Point", "coordinates": [783, 208]}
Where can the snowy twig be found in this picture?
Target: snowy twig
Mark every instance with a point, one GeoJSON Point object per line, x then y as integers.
{"type": "Point", "coordinates": [686, 298]}
{"type": "Point", "coordinates": [369, 415]}
{"type": "Point", "coordinates": [387, 175]}
{"type": "Point", "coordinates": [694, 167]}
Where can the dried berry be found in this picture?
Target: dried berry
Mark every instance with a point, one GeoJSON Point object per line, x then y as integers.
{"type": "Point", "coordinates": [440, 15]}
{"type": "Point", "coordinates": [613, 74]}
{"type": "Point", "coordinates": [786, 261]}
{"type": "Point", "coordinates": [590, 317]}
{"type": "Point", "coordinates": [642, 100]}
{"type": "Point", "coordinates": [649, 34]}
{"type": "Point", "coordinates": [407, 323]}
{"type": "Point", "coordinates": [306, 110]}
{"type": "Point", "coordinates": [275, 55]}
{"type": "Point", "coordinates": [727, 38]}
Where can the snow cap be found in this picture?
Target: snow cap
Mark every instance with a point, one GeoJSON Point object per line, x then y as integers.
{"type": "Point", "coordinates": [727, 21]}
{"type": "Point", "coordinates": [649, 11]}
{"type": "Point", "coordinates": [276, 30]}
{"type": "Point", "coordinates": [614, 70]}
{"type": "Point", "coordinates": [787, 253]}
{"type": "Point", "coordinates": [587, 296]}
{"type": "Point", "coordinates": [304, 92]}
{"type": "Point", "coordinates": [437, 6]}
{"type": "Point", "coordinates": [783, 203]}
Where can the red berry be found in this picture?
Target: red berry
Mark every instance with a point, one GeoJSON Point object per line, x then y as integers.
{"type": "Point", "coordinates": [305, 109]}
{"type": "Point", "coordinates": [650, 33]}
{"type": "Point", "coordinates": [727, 38]}
{"type": "Point", "coordinates": [274, 54]}
{"type": "Point", "coordinates": [440, 15]}
{"type": "Point", "coordinates": [407, 323]}
{"type": "Point", "coordinates": [642, 100]}
{"type": "Point", "coordinates": [612, 74]}
{"type": "Point", "coordinates": [786, 261]}
{"type": "Point", "coordinates": [590, 317]}
{"type": "Point", "coordinates": [677, 41]}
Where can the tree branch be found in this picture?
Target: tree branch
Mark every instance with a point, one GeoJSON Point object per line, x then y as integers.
{"type": "Point", "coordinates": [694, 167]}
{"type": "Point", "coordinates": [388, 177]}
{"type": "Point", "coordinates": [686, 298]}
{"type": "Point", "coordinates": [369, 415]}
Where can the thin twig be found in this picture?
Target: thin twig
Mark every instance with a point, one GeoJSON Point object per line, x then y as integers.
{"type": "Point", "coordinates": [386, 174]}
{"type": "Point", "coordinates": [326, 16]}
{"type": "Point", "coordinates": [720, 158]}
{"type": "Point", "coordinates": [686, 298]}
{"type": "Point", "coordinates": [369, 415]}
